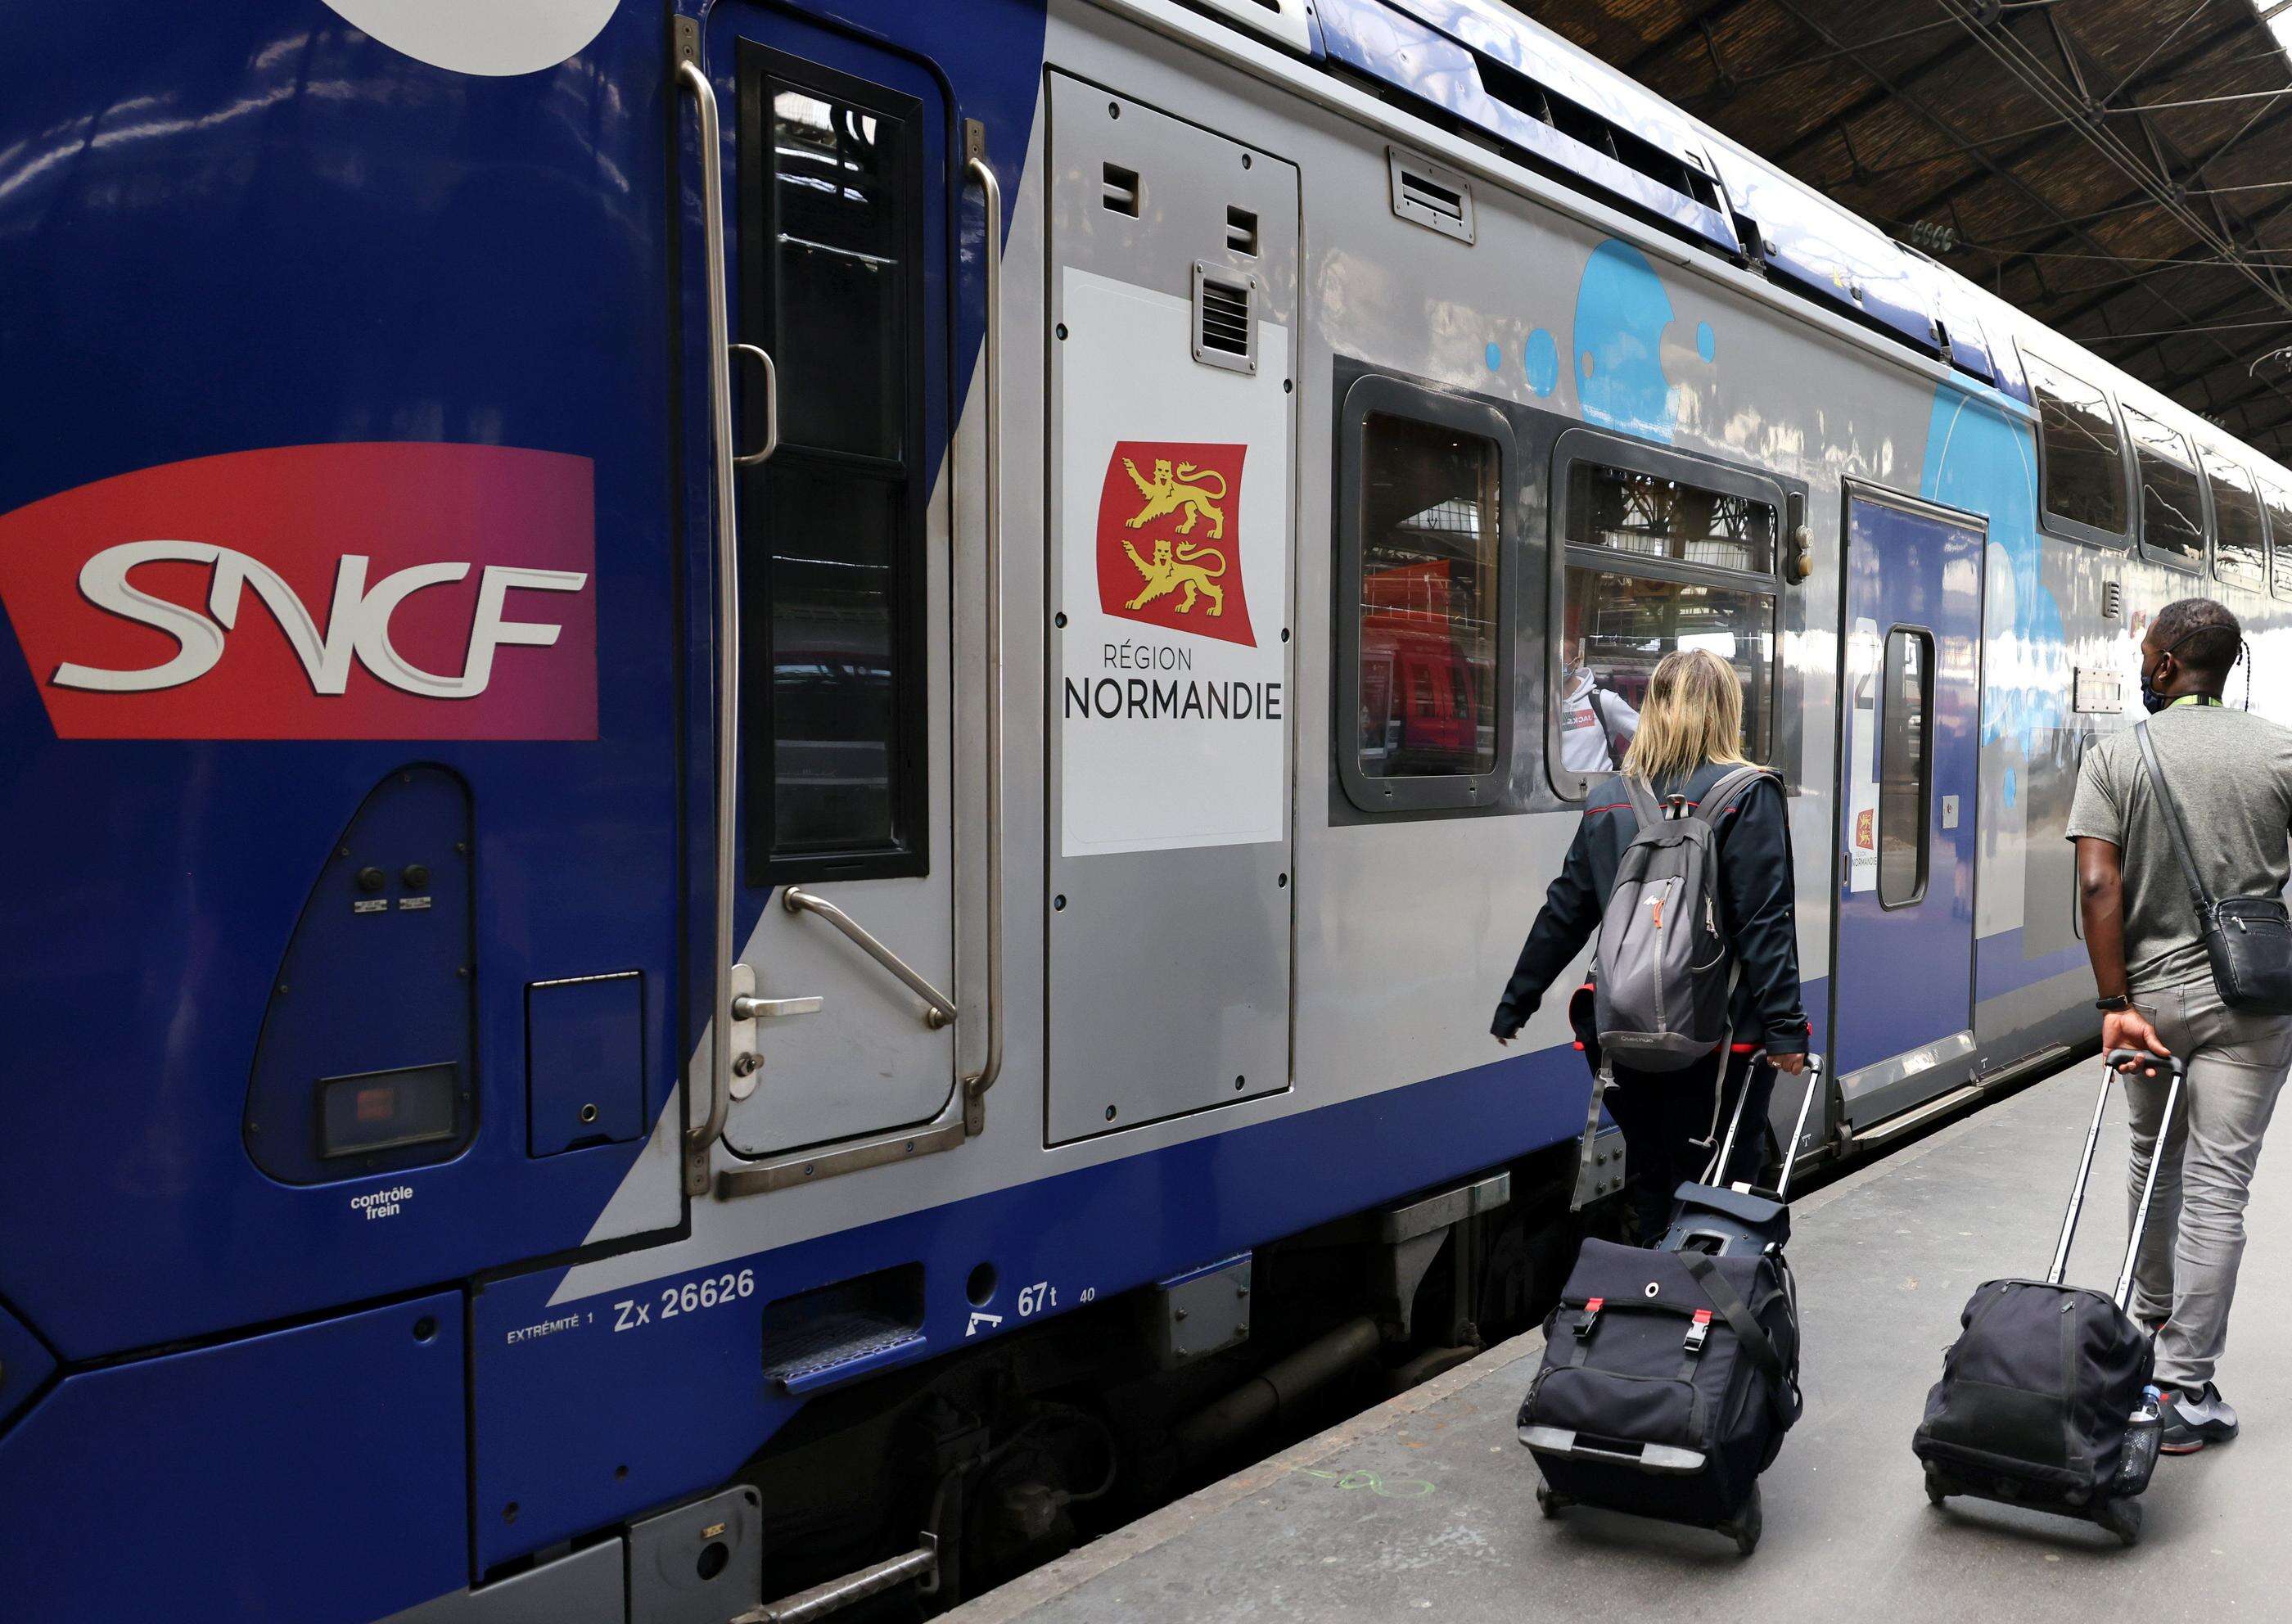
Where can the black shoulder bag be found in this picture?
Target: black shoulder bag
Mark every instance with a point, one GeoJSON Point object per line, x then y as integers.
{"type": "Point", "coordinates": [2247, 939]}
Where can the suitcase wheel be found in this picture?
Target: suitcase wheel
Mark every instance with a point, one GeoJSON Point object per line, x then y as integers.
{"type": "Point", "coordinates": [1550, 1503]}
{"type": "Point", "coordinates": [1747, 1525]}
{"type": "Point", "coordinates": [2121, 1517]}
{"type": "Point", "coordinates": [1938, 1487]}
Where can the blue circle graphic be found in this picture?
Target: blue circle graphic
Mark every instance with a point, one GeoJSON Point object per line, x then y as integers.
{"type": "Point", "coordinates": [1495, 354]}
{"type": "Point", "coordinates": [1706, 342]}
{"type": "Point", "coordinates": [1541, 356]}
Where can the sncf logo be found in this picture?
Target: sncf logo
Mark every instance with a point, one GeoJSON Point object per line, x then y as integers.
{"type": "Point", "coordinates": [184, 602]}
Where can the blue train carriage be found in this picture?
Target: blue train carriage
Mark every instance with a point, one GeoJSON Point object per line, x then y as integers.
{"type": "Point", "coordinates": [773, 766]}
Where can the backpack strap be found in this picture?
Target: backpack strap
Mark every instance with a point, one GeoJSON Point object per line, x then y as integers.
{"type": "Point", "coordinates": [1607, 732]}
{"type": "Point", "coordinates": [1730, 789]}
{"type": "Point", "coordinates": [1641, 796]}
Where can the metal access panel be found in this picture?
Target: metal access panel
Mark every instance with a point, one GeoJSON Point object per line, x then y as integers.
{"type": "Point", "coordinates": [1173, 292]}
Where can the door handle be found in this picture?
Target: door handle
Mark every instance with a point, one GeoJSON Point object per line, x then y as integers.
{"type": "Point", "coordinates": [772, 406]}
{"type": "Point", "coordinates": [747, 1008]}
{"type": "Point", "coordinates": [990, 372]}
{"type": "Point", "coordinates": [700, 1137]}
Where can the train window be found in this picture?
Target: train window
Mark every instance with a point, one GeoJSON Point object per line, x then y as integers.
{"type": "Point", "coordinates": [2082, 461]}
{"type": "Point", "coordinates": [1426, 629]}
{"type": "Point", "coordinates": [1905, 715]}
{"type": "Point", "coordinates": [2172, 502]}
{"type": "Point", "coordinates": [2239, 548]}
{"type": "Point", "coordinates": [831, 570]}
{"type": "Point", "coordinates": [1656, 563]}
{"type": "Point", "coordinates": [2278, 504]}
{"type": "Point", "coordinates": [1423, 599]}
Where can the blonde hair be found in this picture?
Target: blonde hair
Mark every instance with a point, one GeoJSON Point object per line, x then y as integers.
{"type": "Point", "coordinates": [1693, 715]}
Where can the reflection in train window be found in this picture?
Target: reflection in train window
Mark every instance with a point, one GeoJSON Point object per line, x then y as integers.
{"type": "Point", "coordinates": [1428, 599]}
{"type": "Point", "coordinates": [2240, 555]}
{"type": "Point", "coordinates": [1905, 715]}
{"type": "Point", "coordinates": [1656, 564]}
{"type": "Point", "coordinates": [2083, 463]}
{"type": "Point", "coordinates": [832, 579]}
{"type": "Point", "coordinates": [2172, 504]}
{"type": "Point", "coordinates": [2278, 504]}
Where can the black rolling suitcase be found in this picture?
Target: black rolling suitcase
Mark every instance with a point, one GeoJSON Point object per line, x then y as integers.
{"type": "Point", "coordinates": [2044, 1398]}
{"type": "Point", "coordinates": [1670, 1374]}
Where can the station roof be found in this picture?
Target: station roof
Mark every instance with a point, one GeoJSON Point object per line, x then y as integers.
{"type": "Point", "coordinates": [2119, 169]}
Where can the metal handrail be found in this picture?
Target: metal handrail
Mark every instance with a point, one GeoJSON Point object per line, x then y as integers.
{"type": "Point", "coordinates": [772, 406]}
{"type": "Point", "coordinates": [700, 1137]}
{"type": "Point", "coordinates": [941, 1009]}
{"type": "Point", "coordinates": [991, 388]}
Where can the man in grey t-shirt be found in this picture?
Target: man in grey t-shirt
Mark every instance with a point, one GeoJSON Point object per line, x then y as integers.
{"type": "Point", "coordinates": [2231, 774]}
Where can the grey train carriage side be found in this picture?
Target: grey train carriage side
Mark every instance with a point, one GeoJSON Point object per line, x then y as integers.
{"type": "Point", "coordinates": [1066, 618]}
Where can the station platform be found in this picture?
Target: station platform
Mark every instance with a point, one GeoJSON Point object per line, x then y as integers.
{"type": "Point", "coordinates": [1424, 1505]}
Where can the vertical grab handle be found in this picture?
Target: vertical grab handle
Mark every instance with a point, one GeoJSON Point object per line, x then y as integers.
{"type": "Point", "coordinates": [977, 168]}
{"type": "Point", "coordinates": [700, 1136]}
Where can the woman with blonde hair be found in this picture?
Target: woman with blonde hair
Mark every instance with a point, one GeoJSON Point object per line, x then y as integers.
{"type": "Point", "coordinates": [1690, 737]}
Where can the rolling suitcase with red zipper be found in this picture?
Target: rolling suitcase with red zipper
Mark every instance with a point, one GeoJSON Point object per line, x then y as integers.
{"type": "Point", "coordinates": [1670, 1373]}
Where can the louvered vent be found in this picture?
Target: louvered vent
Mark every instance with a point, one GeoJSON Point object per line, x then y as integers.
{"type": "Point", "coordinates": [1438, 199]}
{"type": "Point", "coordinates": [2112, 600]}
{"type": "Point", "coordinates": [1225, 319]}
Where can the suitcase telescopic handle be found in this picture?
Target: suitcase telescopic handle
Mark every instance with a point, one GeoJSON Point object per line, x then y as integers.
{"type": "Point", "coordinates": [1798, 1128]}
{"type": "Point", "coordinates": [1720, 1161]}
{"type": "Point", "coordinates": [2177, 1070]}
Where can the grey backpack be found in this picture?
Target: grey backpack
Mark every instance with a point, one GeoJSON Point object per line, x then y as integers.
{"type": "Point", "coordinates": [1665, 974]}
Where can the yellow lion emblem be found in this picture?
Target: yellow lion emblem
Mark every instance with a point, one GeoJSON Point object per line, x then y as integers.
{"type": "Point", "coordinates": [1168, 492]}
{"type": "Point", "coordinates": [1175, 571]}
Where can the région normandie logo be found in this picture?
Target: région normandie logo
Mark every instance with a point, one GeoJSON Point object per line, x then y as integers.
{"type": "Point", "coordinates": [1169, 540]}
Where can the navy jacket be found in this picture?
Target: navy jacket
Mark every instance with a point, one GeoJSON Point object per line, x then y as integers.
{"type": "Point", "coordinates": [1755, 904]}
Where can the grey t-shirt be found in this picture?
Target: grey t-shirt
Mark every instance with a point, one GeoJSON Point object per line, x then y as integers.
{"type": "Point", "coordinates": [2231, 773]}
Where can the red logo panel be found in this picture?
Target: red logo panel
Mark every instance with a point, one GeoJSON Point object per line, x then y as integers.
{"type": "Point", "coordinates": [1169, 537]}
{"type": "Point", "coordinates": [399, 590]}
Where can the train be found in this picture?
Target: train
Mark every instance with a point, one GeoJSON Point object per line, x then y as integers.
{"type": "Point", "coordinates": [773, 762]}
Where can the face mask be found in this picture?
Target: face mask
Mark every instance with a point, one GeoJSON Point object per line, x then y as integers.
{"type": "Point", "coordinates": [2151, 701]}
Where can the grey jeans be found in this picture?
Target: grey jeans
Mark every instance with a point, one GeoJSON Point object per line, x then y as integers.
{"type": "Point", "coordinates": [2186, 1274]}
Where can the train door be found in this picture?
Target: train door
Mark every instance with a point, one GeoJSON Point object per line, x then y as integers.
{"type": "Point", "coordinates": [1902, 967]}
{"type": "Point", "coordinates": [1172, 288]}
{"type": "Point", "coordinates": [838, 185]}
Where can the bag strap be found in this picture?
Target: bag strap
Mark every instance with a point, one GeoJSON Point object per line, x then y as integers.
{"type": "Point", "coordinates": [1641, 796]}
{"type": "Point", "coordinates": [1730, 1304]}
{"type": "Point", "coordinates": [1747, 1330]}
{"type": "Point", "coordinates": [2198, 894]}
{"type": "Point", "coordinates": [1730, 789]}
{"type": "Point", "coordinates": [1607, 733]}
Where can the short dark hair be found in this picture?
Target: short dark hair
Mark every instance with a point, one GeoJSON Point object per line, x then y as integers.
{"type": "Point", "coordinates": [2201, 634]}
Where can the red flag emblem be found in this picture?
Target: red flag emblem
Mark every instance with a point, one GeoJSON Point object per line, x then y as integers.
{"type": "Point", "coordinates": [1169, 539]}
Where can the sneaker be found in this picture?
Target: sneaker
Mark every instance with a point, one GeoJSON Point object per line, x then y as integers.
{"type": "Point", "coordinates": [2194, 1419]}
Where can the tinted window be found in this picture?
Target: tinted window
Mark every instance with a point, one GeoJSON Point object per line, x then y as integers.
{"type": "Point", "coordinates": [2082, 461]}
{"type": "Point", "coordinates": [838, 246]}
{"type": "Point", "coordinates": [1633, 512]}
{"type": "Point", "coordinates": [2172, 504]}
{"type": "Point", "coordinates": [1427, 625]}
{"type": "Point", "coordinates": [831, 574]}
{"type": "Point", "coordinates": [1655, 564]}
{"type": "Point", "coordinates": [1905, 715]}
{"type": "Point", "coordinates": [2240, 555]}
{"type": "Point", "coordinates": [2278, 504]}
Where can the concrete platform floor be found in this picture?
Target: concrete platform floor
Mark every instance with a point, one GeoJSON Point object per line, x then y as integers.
{"type": "Point", "coordinates": [1424, 1507]}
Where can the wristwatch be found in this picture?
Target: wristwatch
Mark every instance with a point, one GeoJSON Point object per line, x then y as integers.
{"type": "Point", "coordinates": [2115, 1006]}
